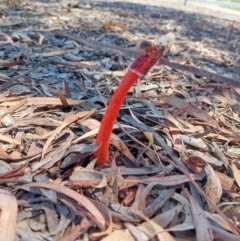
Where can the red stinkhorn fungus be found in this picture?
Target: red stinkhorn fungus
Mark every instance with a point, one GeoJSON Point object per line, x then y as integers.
{"type": "Point", "coordinates": [139, 68]}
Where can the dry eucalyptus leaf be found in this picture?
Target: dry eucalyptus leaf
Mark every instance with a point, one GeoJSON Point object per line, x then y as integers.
{"type": "Point", "coordinates": [201, 223]}
{"type": "Point", "coordinates": [8, 216]}
{"type": "Point", "coordinates": [213, 186]}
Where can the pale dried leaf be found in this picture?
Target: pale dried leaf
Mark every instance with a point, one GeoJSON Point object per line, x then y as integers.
{"type": "Point", "coordinates": [202, 226]}
{"type": "Point", "coordinates": [8, 216]}
{"type": "Point", "coordinates": [213, 186]}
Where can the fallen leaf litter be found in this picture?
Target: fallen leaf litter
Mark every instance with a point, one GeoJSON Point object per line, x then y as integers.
{"type": "Point", "coordinates": [173, 167]}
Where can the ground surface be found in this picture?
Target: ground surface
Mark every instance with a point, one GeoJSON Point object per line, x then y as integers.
{"type": "Point", "coordinates": [173, 172]}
